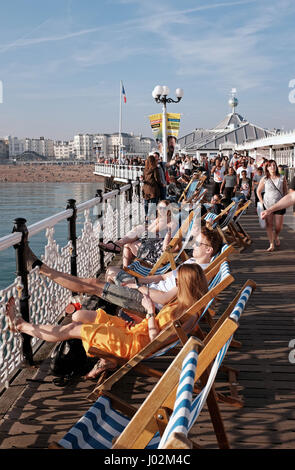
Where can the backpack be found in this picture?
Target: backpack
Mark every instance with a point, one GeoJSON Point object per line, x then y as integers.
{"type": "Point", "coordinates": [68, 361]}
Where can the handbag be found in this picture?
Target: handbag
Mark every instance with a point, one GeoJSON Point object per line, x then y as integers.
{"type": "Point", "coordinates": [260, 208]}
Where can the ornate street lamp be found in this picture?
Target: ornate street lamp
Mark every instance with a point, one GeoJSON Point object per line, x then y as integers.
{"type": "Point", "coordinates": [160, 95]}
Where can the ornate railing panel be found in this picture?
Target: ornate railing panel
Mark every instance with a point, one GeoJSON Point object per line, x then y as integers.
{"type": "Point", "coordinates": [107, 216]}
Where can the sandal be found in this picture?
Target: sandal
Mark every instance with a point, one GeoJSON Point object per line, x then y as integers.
{"type": "Point", "coordinates": [116, 248]}
{"type": "Point", "coordinates": [100, 369]}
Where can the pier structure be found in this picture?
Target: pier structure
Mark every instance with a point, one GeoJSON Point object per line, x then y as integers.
{"type": "Point", "coordinates": [108, 216]}
{"type": "Point", "coordinates": [120, 173]}
{"type": "Point", "coordinates": [34, 412]}
{"type": "Point", "coordinates": [279, 147]}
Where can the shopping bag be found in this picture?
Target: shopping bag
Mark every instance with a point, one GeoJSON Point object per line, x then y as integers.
{"type": "Point", "coordinates": [260, 208]}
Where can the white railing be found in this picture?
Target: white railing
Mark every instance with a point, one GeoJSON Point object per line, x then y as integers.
{"type": "Point", "coordinates": [119, 172]}
{"type": "Point", "coordinates": [107, 217]}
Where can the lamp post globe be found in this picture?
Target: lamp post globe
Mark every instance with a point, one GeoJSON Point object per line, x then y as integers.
{"type": "Point", "coordinates": [160, 94]}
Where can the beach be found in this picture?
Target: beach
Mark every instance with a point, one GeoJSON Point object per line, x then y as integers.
{"type": "Point", "coordinates": [53, 173]}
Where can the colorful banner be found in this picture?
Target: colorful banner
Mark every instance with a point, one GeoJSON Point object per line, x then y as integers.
{"type": "Point", "coordinates": [156, 125]}
{"type": "Point", "coordinates": [173, 124]}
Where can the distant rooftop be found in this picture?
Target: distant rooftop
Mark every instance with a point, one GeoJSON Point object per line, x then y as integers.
{"type": "Point", "coordinates": [233, 130]}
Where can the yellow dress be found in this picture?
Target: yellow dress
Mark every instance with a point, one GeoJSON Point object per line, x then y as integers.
{"type": "Point", "coordinates": [112, 335]}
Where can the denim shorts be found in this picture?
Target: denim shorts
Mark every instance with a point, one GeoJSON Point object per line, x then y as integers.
{"type": "Point", "coordinates": [130, 299]}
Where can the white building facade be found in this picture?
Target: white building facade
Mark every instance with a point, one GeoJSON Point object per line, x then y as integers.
{"type": "Point", "coordinates": [64, 150]}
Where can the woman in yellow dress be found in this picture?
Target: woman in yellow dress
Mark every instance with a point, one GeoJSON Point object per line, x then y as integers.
{"type": "Point", "coordinates": [113, 335]}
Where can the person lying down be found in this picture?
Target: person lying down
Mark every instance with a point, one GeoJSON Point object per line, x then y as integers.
{"type": "Point", "coordinates": [112, 335]}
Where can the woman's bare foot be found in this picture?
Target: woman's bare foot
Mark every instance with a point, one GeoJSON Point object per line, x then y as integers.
{"type": "Point", "coordinates": [13, 316]}
{"type": "Point", "coordinates": [101, 366]}
{"type": "Point", "coordinates": [271, 248]}
{"type": "Point", "coordinates": [277, 242]}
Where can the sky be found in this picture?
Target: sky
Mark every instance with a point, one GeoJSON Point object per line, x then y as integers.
{"type": "Point", "coordinates": [61, 63]}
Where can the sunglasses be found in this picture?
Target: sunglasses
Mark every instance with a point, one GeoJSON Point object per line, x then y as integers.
{"type": "Point", "coordinates": [197, 244]}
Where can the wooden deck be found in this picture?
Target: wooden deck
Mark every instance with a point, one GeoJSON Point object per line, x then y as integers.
{"type": "Point", "coordinates": [34, 412]}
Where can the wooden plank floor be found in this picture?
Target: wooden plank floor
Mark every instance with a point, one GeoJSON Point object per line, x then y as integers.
{"type": "Point", "coordinates": [36, 412]}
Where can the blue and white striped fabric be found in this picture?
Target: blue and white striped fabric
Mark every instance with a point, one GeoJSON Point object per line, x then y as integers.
{"type": "Point", "coordinates": [230, 215]}
{"type": "Point", "coordinates": [210, 216]}
{"type": "Point", "coordinates": [180, 417]}
{"type": "Point", "coordinates": [98, 427]}
{"type": "Point", "coordinates": [137, 267]}
{"type": "Point", "coordinates": [223, 272]}
{"type": "Point", "coordinates": [189, 411]}
{"type": "Point", "coordinates": [192, 188]}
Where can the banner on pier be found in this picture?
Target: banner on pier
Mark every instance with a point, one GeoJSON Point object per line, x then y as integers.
{"type": "Point", "coordinates": [173, 124]}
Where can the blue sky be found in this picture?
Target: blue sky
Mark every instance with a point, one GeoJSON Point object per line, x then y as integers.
{"type": "Point", "coordinates": [61, 63]}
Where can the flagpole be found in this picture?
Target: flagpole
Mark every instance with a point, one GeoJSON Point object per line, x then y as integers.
{"type": "Point", "coordinates": [120, 121]}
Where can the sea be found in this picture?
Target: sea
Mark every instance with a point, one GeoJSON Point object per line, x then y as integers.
{"type": "Point", "coordinates": [35, 202]}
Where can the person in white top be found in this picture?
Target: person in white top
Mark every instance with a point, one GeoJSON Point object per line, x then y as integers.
{"type": "Point", "coordinates": [284, 203]}
{"type": "Point", "coordinates": [275, 187]}
{"type": "Point", "coordinates": [244, 167]}
{"type": "Point", "coordinates": [217, 171]}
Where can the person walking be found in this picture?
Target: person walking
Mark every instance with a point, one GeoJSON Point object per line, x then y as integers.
{"type": "Point", "coordinates": [151, 184]}
{"type": "Point", "coordinates": [275, 188]}
{"type": "Point", "coordinates": [229, 185]}
{"type": "Point", "coordinates": [217, 171]}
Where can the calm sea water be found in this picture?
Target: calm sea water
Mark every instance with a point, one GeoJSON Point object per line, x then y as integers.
{"type": "Point", "coordinates": [34, 202]}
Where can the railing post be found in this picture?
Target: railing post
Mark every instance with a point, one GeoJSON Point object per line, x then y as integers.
{"type": "Point", "coordinates": [22, 272]}
{"type": "Point", "coordinates": [72, 236]}
{"type": "Point", "coordinates": [100, 216]}
{"type": "Point", "coordinates": [129, 198]}
{"type": "Point", "coordinates": [138, 192]}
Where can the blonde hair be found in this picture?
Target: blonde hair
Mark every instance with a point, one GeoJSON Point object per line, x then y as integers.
{"type": "Point", "coordinates": [192, 285]}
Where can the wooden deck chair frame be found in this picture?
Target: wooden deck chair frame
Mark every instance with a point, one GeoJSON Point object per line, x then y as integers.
{"type": "Point", "coordinates": [168, 256]}
{"type": "Point", "coordinates": [236, 231]}
{"type": "Point", "coordinates": [163, 339]}
{"type": "Point", "coordinates": [200, 182]}
{"type": "Point", "coordinates": [153, 414]}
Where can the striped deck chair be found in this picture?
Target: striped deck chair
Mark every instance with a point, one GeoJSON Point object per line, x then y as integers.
{"type": "Point", "coordinates": [238, 233]}
{"type": "Point", "coordinates": [211, 216]}
{"type": "Point", "coordinates": [110, 418]}
{"type": "Point", "coordinates": [195, 184]}
{"type": "Point", "coordinates": [220, 279]}
{"type": "Point", "coordinates": [197, 197]}
{"type": "Point", "coordinates": [169, 258]}
{"type": "Point", "coordinates": [187, 408]}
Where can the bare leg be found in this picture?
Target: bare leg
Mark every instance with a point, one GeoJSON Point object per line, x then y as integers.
{"type": "Point", "coordinates": [50, 333]}
{"type": "Point", "coordinates": [84, 316]}
{"type": "Point", "coordinates": [279, 220]}
{"type": "Point", "coordinates": [129, 252]}
{"type": "Point", "coordinates": [111, 273]}
{"type": "Point", "coordinates": [54, 334]}
{"type": "Point", "coordinates": [91, 286]}
{"type": "Point", "coordinates": [269, 230]}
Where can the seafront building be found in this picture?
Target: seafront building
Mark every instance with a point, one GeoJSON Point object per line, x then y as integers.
{"type": "Point", "coordinates": [4, 150]}
{"type": "Point", "coordinates": [84, 146]}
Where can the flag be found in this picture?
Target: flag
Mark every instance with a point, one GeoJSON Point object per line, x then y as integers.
{"type": "Point", "coordinates": [123, 93]}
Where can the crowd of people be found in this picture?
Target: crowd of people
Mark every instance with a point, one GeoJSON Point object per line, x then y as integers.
{"type": "Point", "coordinates": [151, 302]}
